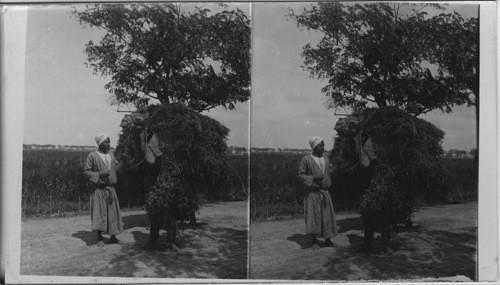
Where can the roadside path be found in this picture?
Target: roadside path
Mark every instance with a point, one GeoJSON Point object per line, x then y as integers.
{"type": "Point", "coordinates": [214, 248]}
{"type": "Point", "coordinates": [441, 244]}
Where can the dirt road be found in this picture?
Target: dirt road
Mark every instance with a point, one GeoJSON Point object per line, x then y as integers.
{"type": "Point", "coordinates": [214, 248]}
{"type": "Point", "coordinates": [441, 244]}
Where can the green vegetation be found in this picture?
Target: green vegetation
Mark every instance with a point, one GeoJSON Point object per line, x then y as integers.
{"type": "Point", "coordinates": [190, 61]}
{"type": "Point", "coordinates": [277, 194]}
{"type": "Point", "coordinates": [193, 148]}
{"type": "Point", "coordinates": [462, 180]}
{"type": "Point", "coordinates": [407, 168]}
{"type": "Point", "coordinates": [198, 56]}
{"type": "Point", "coordinates": [53, 184]}
{"type": "Point", "coordinates": [383, 53]}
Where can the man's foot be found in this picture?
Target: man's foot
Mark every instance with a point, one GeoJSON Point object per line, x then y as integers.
{"type": "Point", "coordinates": [101, 243]}
{"type": "Point", "coordinates": [314, 239]}
{"type": "Point", "coordinates": [328, 243]}
{"type": "Point", "coordinates": [114, 240]}
{"type": "Point", "coordinates": [172, 247]}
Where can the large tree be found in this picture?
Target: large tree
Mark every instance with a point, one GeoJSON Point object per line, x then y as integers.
{"type": "Point", "coordinates": [190, 59]}
{"type": "Point", "coordinates": [418, 57]}
{"type": "Point", "coordinates": [173, 53]}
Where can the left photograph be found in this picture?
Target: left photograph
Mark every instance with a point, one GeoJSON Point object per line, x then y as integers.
{"type": "Point", "coordinates": [136, 138]}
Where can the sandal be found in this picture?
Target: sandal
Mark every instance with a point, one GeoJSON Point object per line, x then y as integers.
{"type": "Point", "coordinates": [114, 240]}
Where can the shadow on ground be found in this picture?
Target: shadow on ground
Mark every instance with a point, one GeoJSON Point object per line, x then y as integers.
{"type": "Point", "coordinates": [417, 253]}
{"type": "Point", "coordinates": [304, 241]}
{"type": "Point", "coordinates": [133, 221]}
{"type": "Point", "coordinates": [344, 225]}
{"type": "Point", "coordinates": [349, 224]}
{"type": "Point", "coordinates": [204, 252]}
{"type": "Point", "coordinates": [90, 238]}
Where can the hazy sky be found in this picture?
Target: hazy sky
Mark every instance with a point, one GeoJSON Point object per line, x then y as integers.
{"type": "Point", "coordinates": [287, 105]}
{"type": "Point", "coordinates": [66, 104]}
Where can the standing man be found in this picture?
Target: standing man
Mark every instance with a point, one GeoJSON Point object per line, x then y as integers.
{"type": "Point", "coordinates": [100, 170]}
{"type": "Point", "coordinates": [315, 173]}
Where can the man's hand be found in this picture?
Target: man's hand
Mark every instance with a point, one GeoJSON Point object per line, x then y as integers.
{"type": "Point", "coordinates": [103, 175]}
{"type": "Point", "coordinates": [318, 178]}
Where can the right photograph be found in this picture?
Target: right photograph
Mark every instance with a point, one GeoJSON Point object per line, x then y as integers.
{"type": "Point", "coordinates": [364, 141]}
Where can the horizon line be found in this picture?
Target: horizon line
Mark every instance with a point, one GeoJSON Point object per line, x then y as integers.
{"type": "Point", "coordinates": [229, 146]}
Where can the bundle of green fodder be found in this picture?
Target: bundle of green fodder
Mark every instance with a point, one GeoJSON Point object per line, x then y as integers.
{"type": "Point", "coordinates": [401, 155]}
{"type": "Point", "coordinates": [175, 152]}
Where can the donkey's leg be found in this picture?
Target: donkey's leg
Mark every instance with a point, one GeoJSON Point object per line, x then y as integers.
{"type": "Point", "coordinates": [409, 222]}
{"type": "Point", "coordinates": [369, 232]}
{"type": "Point", "coordinates": [172, 234]}
{"type": "Point", "coordinates": [154, 234]}
{"type": "Point", "coordinates": [386, 239]}
{"type": "Point", "coordinates": [192, 218]}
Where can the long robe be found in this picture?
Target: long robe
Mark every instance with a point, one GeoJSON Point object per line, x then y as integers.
{"type": "Point", "coordinates": [104, 207]}
{"type": "Point", "coordinates": [318, 206]}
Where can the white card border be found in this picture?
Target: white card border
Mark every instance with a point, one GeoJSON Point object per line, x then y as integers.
{"type": "Point", "coordinates": [14, 24]}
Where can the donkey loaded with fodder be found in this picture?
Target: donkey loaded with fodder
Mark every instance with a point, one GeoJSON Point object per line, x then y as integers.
{"type": "Point", "coordinates": [174, 152]}
{"type": "Point", "coordinates": [387, 159]}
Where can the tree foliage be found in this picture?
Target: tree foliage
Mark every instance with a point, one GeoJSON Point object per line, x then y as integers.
{"type": "Point", "coordinates": [172, 53]}
{"type": "Point", "coordinates": [392, 55]}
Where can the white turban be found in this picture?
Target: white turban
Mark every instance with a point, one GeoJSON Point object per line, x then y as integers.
{"type": "Point", "coordinates": [314, 141]}
{"type": "Point", "coordinates": [100, 138]}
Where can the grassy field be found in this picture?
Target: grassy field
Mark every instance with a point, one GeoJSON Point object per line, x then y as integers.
{"type": "Point", "coordinates": [276, 191]}
{"type": "Point", "coordinates": [53, 183]}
